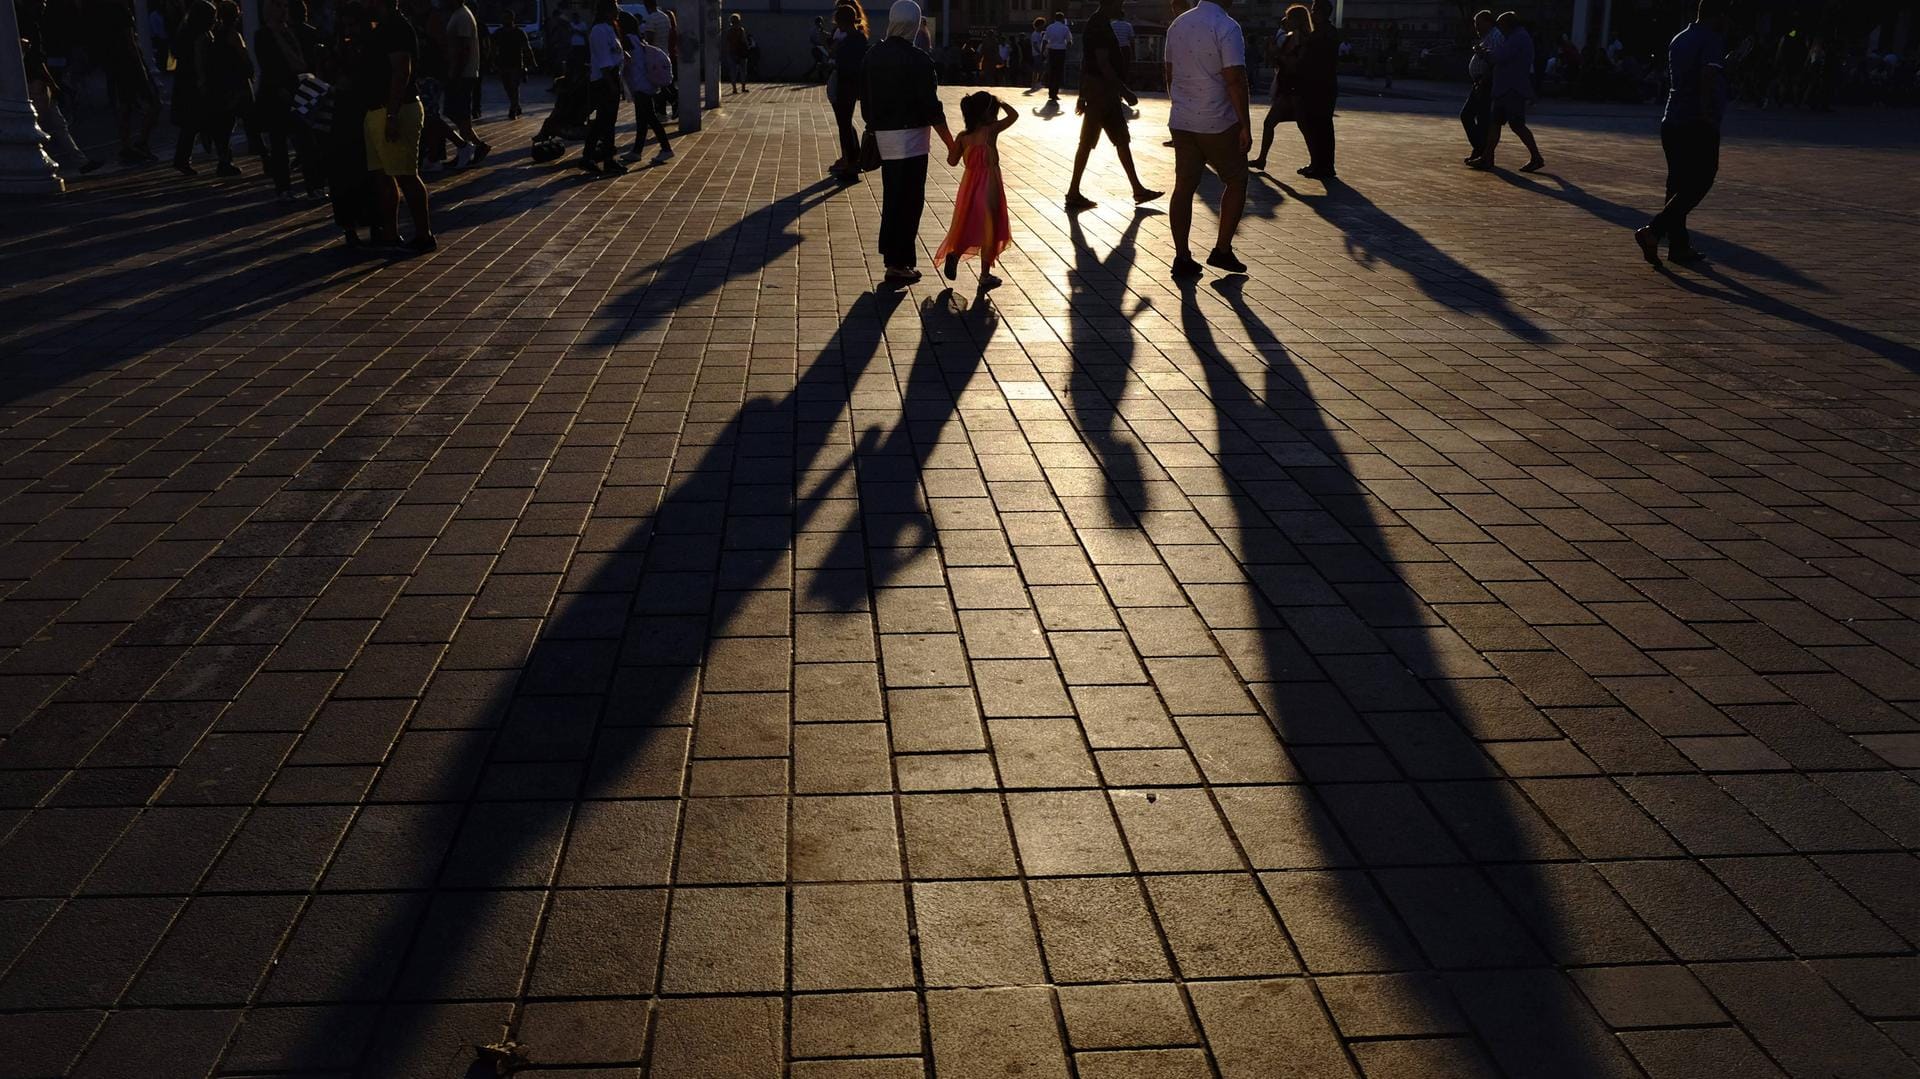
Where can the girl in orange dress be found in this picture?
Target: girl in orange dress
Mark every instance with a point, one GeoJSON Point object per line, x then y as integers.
{"type": "Point", "coordinates": [980, 211]}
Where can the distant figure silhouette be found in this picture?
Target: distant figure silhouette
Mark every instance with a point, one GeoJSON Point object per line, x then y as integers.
{"type": "Point", "coordinates": [1690, 130]}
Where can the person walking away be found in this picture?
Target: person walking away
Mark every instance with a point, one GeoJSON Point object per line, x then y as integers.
{"type": "Point", "coordinates": [432, 78]}
{"type": "Point", "coordinates": [116, 51]}
{"type": "Point", "coordinates": [900, 102]}
{"type": "Point", "coordinates": [980, 209]}
{"type": "Point", "coordinates": [1690, 130]}
{"type": "Point", "coordinates": [1296, 26]}
{"type": "Point", "coordinates": [1058, 37]}
{"type": "Point", "coordinates": [1318, 88]}
{"type": "Point", "coordinates": [288, 48]}
{"type": "Point", "coordinates": [1037, 55]}
{"type": "Point", "coordinates": [513, 57]}
{"type": "Point", "coordinates": [647, 70]}
{"type": "Point", "coordinates": [42, 92]}
{"type": "Point", "coordinates": [188, 112]}
{"type": "Point", "coordinates": [393, 127]}
{"type": "Point", "coordinates": [664, 29]}
{"type": "Point", "coordinates": [1473, 117]}
{"type": "Point", "coordinates": [226, 82]}
{"type": "Point", "coordinates": [1512, 87]}
{"type": "Point", "coordinates": [849, 82]}
{"type": "Point", "coordinates": [606, 57]}
{"type": "Point", "coordinates": [359, 75]}
{"type": "Point", "coordinates": [463, 83]}
{"type": "Point", "coordinates": [736, 45]}
{"type": "Point", "coordinates": [1206, 74]}
{"type": "Point", "coordinates": [1104, 100]}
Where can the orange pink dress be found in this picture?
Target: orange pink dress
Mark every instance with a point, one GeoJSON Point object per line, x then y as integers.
{"type": "Point", "coordinates": [980, 210]}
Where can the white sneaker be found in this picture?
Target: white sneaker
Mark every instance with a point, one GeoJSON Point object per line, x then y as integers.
{"type": "Point", "coordinates": [663, 157]}
{"type": "Point", "coordinates": [463, 157]}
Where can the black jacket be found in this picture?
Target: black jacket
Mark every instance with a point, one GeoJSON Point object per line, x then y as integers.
{"type": "Point", "coordinates": [902, 90]}
{"type": "Point", "coordinates": [849, 65]}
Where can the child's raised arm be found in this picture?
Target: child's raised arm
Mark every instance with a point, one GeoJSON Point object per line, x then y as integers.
{"type": "Point", "coordinates": [1008, 114]}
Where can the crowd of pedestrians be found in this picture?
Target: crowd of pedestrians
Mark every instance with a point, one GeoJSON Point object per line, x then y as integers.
{"type": "Point", "coordinates": [357, 115]}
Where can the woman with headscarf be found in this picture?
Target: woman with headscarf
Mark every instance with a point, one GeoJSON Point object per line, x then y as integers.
{"type": "Point", "coordinates": [901, 105]}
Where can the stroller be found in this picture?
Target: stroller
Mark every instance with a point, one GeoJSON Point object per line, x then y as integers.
{"type": "Point", "coordinates": [572, 107]}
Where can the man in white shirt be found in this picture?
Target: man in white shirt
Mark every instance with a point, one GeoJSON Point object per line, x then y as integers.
{"type": "Point", "coordinates": [1206, 75]}
{"type": "Point", "coordinates": [1059, 36]}
{"type": "Point", "coordinates": [1123, 33]}
{"type": "Point", "coordinates": [606, 58]}
{"type": "Point", "coordinates": [463, 82]}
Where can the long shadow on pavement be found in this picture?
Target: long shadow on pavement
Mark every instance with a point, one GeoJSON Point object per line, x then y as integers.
{"type": "Point", "coordinates": [599, 720]}
{"type": "Point", "coordinates": [1418, 855]}
{"type": "Point", "coordinates": [1371, 233]}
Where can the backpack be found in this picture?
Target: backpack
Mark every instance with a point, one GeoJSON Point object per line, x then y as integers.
{"type": "Point", "coordinates": [659, 68]}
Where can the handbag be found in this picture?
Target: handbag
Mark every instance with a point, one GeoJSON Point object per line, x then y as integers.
{"type": "Point", "coordinates": [869, 151]}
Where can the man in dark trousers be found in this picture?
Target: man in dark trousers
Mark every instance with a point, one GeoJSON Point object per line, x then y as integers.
{"type": "Point", "coordinates": [1058, 37]}
{"type": "Point", "coordinates": [1104, 100]}
{"type": "Point", "coordinates": [1480, 75]}
{"type": "Point", "coordinates": [606, 57]}
{"type": "Point", "coordinates": [1318, 85]}
{"type": "Point", "coordinates": [1690, 130]}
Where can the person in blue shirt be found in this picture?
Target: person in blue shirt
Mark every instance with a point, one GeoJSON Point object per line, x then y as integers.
{"type": "Point", "coordinates": [1690, 130]}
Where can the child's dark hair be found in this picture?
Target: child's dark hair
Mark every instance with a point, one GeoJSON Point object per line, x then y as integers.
{"type": "Point", "coordinates": [979, 109]}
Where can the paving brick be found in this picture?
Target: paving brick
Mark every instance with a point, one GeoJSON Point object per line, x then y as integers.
{"type": "Point", "coordinates": [975, 933]}
{"type": "Point", "coordinates": [987, 1032]}
{"type": "Point", "coordinates": [1267, 1027]}
{"type": "Point", "coordinates": [704, 1036]}
{"type": "Point", "coordinates": [1125, 1015]}
{"type": "Point", "coordinates": [855, 1024]}
{"type": "Point", "coordinates": [850, 936]}
{"type": "Point", "coordinates": [1097, 930]}
{"type": "Point", "coordinates": [1801, 1023]}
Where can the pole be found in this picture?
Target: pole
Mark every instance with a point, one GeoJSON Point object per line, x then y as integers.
{"type": "Point", "coordinates": [1582, 17]}
{"type": "Point", "coordinates": [710, 50]}
{"type": "Point", "coordinates": [692, 47]}
{"type": "Point", "coordinates": [25, 168]}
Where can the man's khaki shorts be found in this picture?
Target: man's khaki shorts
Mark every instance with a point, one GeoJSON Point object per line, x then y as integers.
{"type": "Point", "coordinates": [1216, 150]}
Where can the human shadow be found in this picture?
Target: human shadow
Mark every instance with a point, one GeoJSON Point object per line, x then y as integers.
{"type": "Point", "coordinates": [1418, 857]}
{"type": "Point", "coordinates": [1732, 255]}
{"type": "Point", "coordinates": [584, 745]}
{"type": "Point", "coordinates": [1738, 293]}
{"type": "Point", "coordinates": [1101, 338]}
{"type": "Point", "coordinates": [1372, 234]}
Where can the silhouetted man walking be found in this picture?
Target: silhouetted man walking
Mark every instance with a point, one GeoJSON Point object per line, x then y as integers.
{"type": "Point", "coordinates": [1690, 130]}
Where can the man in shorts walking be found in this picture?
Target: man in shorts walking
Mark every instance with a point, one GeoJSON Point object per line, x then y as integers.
{"type": "Point", "coordinates": [1104, 100]}
{"type": "Point", "coordinates": [1206, 73]}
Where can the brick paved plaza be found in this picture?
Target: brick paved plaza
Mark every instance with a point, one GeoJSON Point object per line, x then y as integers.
{"type": "Point", "coordinates": [626, 639]}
